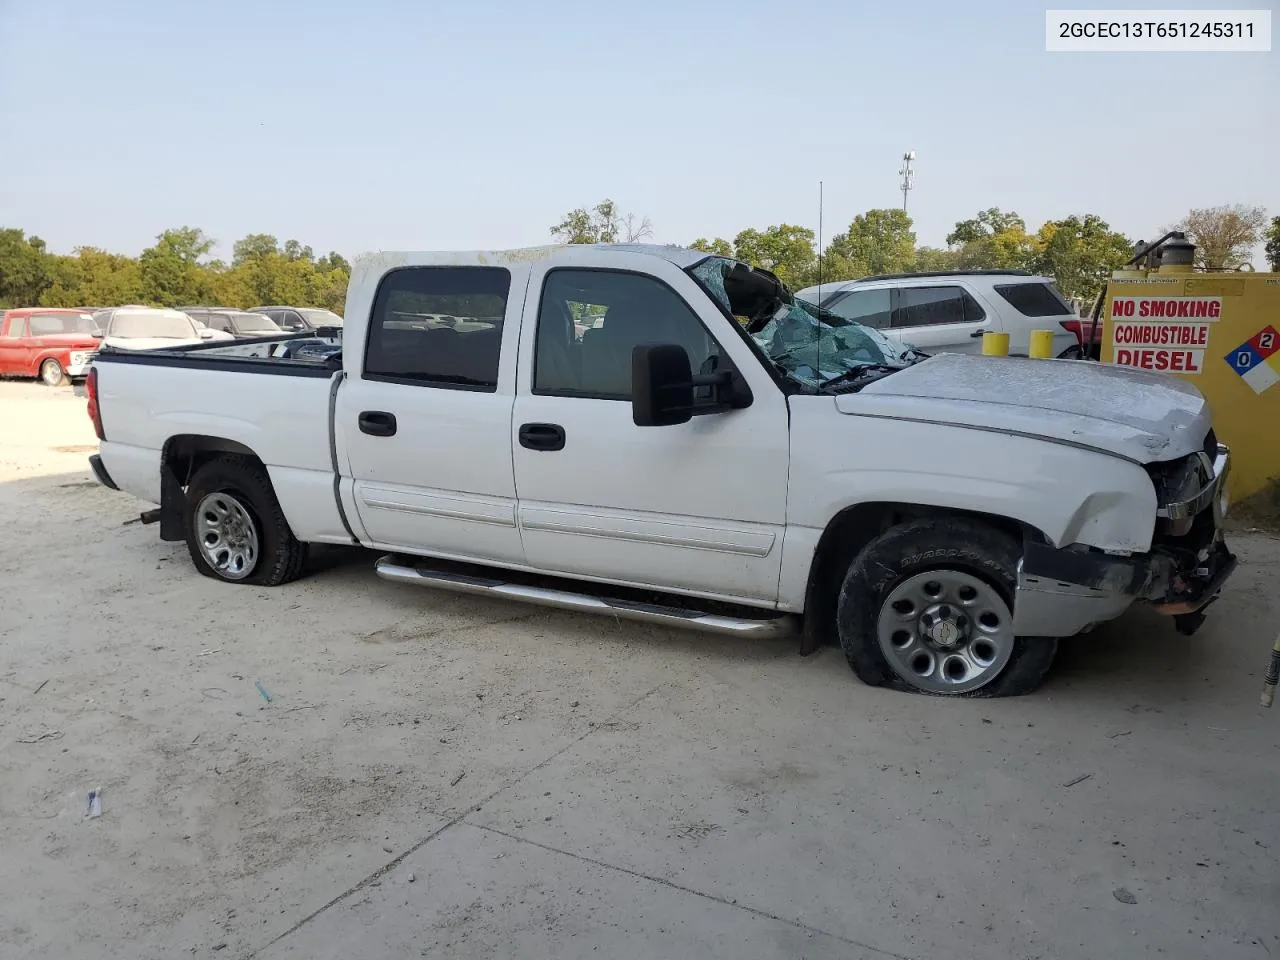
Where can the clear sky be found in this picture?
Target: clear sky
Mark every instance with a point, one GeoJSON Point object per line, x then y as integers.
{"type": "Point", "coordinates": [477, 123]}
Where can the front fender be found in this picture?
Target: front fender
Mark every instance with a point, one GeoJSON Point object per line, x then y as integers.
{"type": "Point", "coordinates": [1070, 494]}
{"type": "Point", "coordinates": [62, 355]}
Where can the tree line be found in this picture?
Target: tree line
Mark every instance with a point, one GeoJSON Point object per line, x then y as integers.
{"type": "Point", "coordinates": [1079, 252]}
{"type": "Point", "coordinates": [176, 270]}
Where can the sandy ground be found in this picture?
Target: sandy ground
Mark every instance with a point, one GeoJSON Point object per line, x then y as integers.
{"type": "Point", "coordinates": [436, 776]}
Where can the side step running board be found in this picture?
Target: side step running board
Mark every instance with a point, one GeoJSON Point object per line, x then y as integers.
{"type": "Point", "coordinates": [768, 627]}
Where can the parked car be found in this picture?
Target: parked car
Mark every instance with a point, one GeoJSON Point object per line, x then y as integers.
{"type": "Point", "coordinates": [946, 518]}
{"type": "Point", "coordinates": [298, 319]}
{"type": "Point", "coordinates": [49, 343]}
{"type": "Point", "coordinates": [151, 328]}
{"type": "Point", "coordinates": [238, 323]}
{"type": "Point", "coordinates": [948, 312]}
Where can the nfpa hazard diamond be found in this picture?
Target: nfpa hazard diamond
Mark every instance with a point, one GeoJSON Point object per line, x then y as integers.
{"type": "Point", "coordinates": [1257, 360]}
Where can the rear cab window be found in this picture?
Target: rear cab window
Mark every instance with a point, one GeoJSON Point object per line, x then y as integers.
{"type": "Point", "coordinates": [54, 324]}
{"type": "Point", "coordinates": [1035, 299]}
{"type": "Point", "coordinates": [438, 327]}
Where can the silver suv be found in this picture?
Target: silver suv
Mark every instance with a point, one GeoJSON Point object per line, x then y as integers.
{"type": "Point", "coordinates": [949, 312]}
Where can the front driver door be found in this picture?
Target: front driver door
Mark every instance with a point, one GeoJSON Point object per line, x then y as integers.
{"type": "Point", "coordinates": [698, 507]}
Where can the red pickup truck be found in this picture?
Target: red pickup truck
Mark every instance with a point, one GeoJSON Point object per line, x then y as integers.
{"type": "Point", "coordinates": [47, 342]}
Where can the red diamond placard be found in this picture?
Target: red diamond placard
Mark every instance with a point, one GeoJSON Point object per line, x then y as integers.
{"type": "Point", "coordinates": [1266, 341]}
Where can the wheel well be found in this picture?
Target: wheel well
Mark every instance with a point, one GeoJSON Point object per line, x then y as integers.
{"type": "Point", "coordinates": [848, 533]}
{"type": "Point", "coordinates": [180, 458]}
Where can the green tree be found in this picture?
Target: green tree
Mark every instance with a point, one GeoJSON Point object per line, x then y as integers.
{"type": "Point", "coordinates": [1079, 252]}
{"type": "Point", "coordinates": [719, 246]}
{"type": "Point", "coordinates": [1224, 236]}
{"type": "Point", "coordinates": [993, 240]}
{"type": "Point", "coordinates": [93, 277]}
{"type": "Point", "coordinates": [878, 241]}
{"type": "Point", "coordinates": [986, 224]}
{"type": "Point", "coordinates": [1273, 244]}
{"type": "Point", "coordinates": [603, 223]}
{"type": "Point", "coordinates": [171, 270]}
{"type": "Point", "coordinates": [293, 250]}
{"type": "Point", "coordinates": [785, 249]}
{"type": "Point", "coordinates": [933, 259]}
{"type": "Point", "coordinates": [25, 268]}
{"type": "Point", "coordinates": [333, 261]}
{"type": "Point", "coordinates": [254, 246]}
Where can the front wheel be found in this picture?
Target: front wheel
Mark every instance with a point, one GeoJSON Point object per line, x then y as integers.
{"type": "Point", "coordinates": [236, 530]}
{"type": "Point", "coordinates": [1072, 353]}
{"type": "Point", "coordinates": [928, 607]}
{"type": "Point", "coordinates": [51, 373]}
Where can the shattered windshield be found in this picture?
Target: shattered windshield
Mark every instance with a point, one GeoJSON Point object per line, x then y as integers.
{"type": "Point", "coordinates": [812, 346]}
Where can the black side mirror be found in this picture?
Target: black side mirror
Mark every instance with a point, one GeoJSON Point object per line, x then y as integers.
{"type": "Point", "coordinates": [661, 385]}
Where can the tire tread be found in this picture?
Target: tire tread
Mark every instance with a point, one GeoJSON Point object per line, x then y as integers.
{"type": "Point", "coordinates": [283, 556]}
{"type": "Point", "coordinates": [970, 545]}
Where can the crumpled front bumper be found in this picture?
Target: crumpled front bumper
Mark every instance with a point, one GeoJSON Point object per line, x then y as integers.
{"type": "Point", "coordinates": [1062, 592]}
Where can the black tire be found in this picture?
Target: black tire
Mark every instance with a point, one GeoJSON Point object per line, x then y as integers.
{"type": "Point", "coordinates": [1071, 353]}
{"type": "Point", "coordinates": [281, 556]}
{"type": "Point", "coordinates": [51, 373]}
{"type": "Point", "coordinates": [948, 543]}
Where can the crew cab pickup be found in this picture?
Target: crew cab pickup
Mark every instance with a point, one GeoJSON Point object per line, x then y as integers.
{"type": "Point", "coordinates": [658, 434]}
{"type": "Point", "coordinates": [47, 342]}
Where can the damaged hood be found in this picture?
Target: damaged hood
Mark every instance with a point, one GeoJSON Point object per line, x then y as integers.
{"type": "Point", "coordinates": [1144, 417]}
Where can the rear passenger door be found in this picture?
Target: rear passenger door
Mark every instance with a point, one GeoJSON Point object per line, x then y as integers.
{"type": "Point", "coordinates": [425, 426]}
{"type": "Point", "coordinates": [942, 318]}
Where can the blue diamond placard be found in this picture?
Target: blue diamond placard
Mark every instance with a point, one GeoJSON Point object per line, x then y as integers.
{"type": "Point", "coordinates": [1243, 358]}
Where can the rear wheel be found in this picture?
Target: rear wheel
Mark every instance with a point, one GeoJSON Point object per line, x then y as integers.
{"type": "Point", "coordinates": [236, 530]}
{"type": "Point", "coordinates": [1071, 353]}
{"type": "Point", "coordinates": [928, 607]}
{"type": "Point", "coordinates": [51, 372]}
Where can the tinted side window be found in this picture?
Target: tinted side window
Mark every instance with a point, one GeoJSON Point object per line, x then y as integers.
{"type": "Point", "coordinates": [867, 307]}
{"type": "Point", "coordinates": [590, 321]}
{"type": "Point", "coordinates": [218, 321]}
{"type": "Point", "coordinates": [1034, 299]}
{"type": "Point", "coordinates": [926, 306]}
{"type": "Point", "coordinates": [438, 326]}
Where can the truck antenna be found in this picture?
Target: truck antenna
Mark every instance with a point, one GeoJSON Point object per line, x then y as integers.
{"type": "Point", "coordinates": [818, 299]}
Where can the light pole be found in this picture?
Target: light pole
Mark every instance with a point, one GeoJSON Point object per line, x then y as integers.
{"type": "Point", "coordinates": [907, 175]}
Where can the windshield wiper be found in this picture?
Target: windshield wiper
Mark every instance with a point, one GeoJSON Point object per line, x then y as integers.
{"type": "Point", "coordinates": [862, 371]}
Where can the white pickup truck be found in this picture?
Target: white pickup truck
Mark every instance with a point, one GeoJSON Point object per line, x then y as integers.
{"type": "Point", "coordinates": [658, 434]}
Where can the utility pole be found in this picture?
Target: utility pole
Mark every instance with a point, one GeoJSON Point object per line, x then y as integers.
{"type": "Point", "coordinates": [907, 175]}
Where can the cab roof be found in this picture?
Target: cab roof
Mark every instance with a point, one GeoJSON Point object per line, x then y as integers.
{"type": "Point", "coordinates": [387, 259]}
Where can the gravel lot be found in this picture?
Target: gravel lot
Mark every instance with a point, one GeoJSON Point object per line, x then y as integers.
{"type": "Point", "coordinates": [441, 776]}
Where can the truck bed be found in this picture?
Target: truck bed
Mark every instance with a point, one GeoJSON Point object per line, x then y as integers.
{"type": "Point", "coordinates": [250, 392]}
